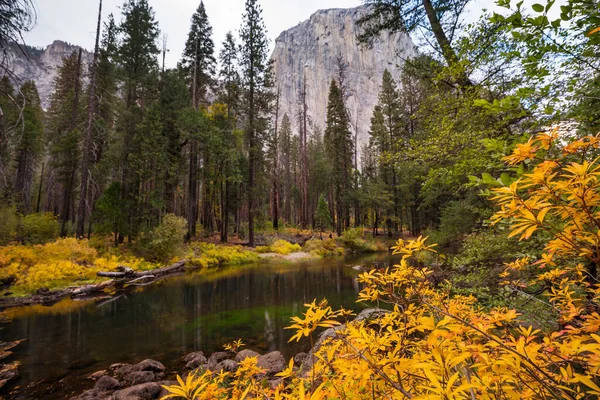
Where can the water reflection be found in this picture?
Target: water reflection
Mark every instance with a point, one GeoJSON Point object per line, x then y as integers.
{"type": "Point", "coordinates": [175, 316]}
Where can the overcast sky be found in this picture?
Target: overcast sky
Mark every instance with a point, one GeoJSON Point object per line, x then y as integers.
{"type": "Point", "coordinates": [74, 21]}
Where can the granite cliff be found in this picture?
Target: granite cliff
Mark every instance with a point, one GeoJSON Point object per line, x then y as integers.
{"type": "Point", "coordinates": [41, 65]}
{"type": "Point", "coordinates": [313, 47]}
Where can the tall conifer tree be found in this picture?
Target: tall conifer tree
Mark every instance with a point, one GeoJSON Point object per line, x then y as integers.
{"type": "Point", "coordinates": [254, 61]}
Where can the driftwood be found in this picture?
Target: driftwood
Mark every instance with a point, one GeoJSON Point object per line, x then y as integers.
{"type": "Point", "coordinates": [118, 279]}
{"type": "Point", "coordinates": [128, 273]}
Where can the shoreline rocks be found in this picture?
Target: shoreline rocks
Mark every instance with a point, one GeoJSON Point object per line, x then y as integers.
{"type": "Point", "coordinates": [144, 380]}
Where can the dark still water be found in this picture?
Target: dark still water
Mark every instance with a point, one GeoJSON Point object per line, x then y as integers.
{"type": "Point", "coordinates": [163, 321]}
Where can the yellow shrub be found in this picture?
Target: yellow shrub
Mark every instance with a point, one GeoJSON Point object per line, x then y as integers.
{"type": "Point", "coordinates": [432, 344]}
{"type": "Point", "coordinates": [323, 248]}
{"type": "Point", "coordinates": [208, 254]}
{"type": "Point", "coordinates": [284, 247]}
{"type": "Point", "coordinates": [60, 263]}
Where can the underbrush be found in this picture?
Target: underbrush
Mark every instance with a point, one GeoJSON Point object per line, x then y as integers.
{"type": "Point", "coordinates": [208, 255]}
{"type": "Point", "coordinates": [355, 241]}
{"type": "Point", "coordinates": [323, 248]}
{"type": "Point", "coordinates": [57, 264]}
{"type": "Point", "coordinates": [280, 246]}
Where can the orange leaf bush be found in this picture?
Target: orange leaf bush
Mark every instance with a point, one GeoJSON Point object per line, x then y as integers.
{"type": "Point", "coordinates": [433, 344]}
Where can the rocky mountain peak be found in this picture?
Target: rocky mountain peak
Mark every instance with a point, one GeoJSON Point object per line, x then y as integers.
{"type": "Point", "coordinates": [40, 65]}
{"type": "Point", "coordinates": [313, 48]}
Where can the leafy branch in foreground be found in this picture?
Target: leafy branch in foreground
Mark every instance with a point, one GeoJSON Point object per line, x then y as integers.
{"type": "Point", "coordinates": [433, 344]}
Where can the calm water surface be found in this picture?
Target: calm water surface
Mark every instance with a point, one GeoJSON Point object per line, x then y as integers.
{"type": "Point", "coordinates": [163, 321]}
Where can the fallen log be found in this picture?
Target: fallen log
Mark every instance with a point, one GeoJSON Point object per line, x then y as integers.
{"type": "Point", "coordinates": [129, 273]}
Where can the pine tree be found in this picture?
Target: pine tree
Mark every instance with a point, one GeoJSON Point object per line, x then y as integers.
{"type": "Point", "coordinates": [198, 59]}
{"type": "Point", "coordinates": [286, 161]}
{"type": "Point", "coordinates": [323, 216]}
{"type": "Point", "coordinates": [229, 95]}
{"type": "Point", "coordinates": [254, 61]}
{"type": "Point", "coordinates": [64, 123]}
{"type": "Point", "coordinates": [29, 145]}
{"type": "Point", "coordinates": [82, 209]}
{"type": "Point", "coordinates": [339, 147]}
{"type": "Point", "coordinates": [9, 114]}
{"type": "Point", "coordinates": [198, 63]}
{"type": "Point", "coordinates": [230, 76]}
{"type": "Point", "coordinates": [136, 55]}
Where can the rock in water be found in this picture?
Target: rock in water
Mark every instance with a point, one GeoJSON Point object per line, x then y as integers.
{"type": "Point", "coordinates": [313, 48]}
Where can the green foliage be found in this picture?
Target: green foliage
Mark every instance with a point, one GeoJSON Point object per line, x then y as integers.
{"type": "Point", "coordinates": [39, 228]}
{"type": "Point", "coordinates": [323, 248]}
{"type": "Point", "coordinates": [9, 224]}
{"type": "Point", "coordinates": [323, 219]}
{"type": "Point", "coordinates": [165, 242]}
{"type": "Point", "coordinates": [458, 218]}
{"type": "Point", "coordinates": [355, 241]}
{"type": "Point", "coordinates": [339, 147]}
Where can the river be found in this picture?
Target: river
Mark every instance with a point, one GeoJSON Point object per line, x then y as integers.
{"type": "Point", "coordinates": [172, 317]}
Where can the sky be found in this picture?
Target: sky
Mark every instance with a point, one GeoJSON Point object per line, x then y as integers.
{"type": "Point", "coordinates": [74, 21]}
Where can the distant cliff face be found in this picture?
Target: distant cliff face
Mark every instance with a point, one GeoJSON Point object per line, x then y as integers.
{"type": "Point", "coordinates": [313, 48]}
{"type": "Point", "coordinates": [41, 65]}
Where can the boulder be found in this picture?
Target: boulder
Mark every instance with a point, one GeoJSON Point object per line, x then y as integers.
{"type": "Point", "coordinates": [106, 384]}
{"type": "Point", "coordinates": [273, 383]}
{"type": "Point", "coordinates": [227, 365]}
{"type": "Point", "coordinates": [190, 356]}
{"type": "Point", "coordinates": [144, 391]}
{"type": "Point", "coordinates": [300, 358]}
{"type": "Point", "coordinates": [370, 314]}
{"type": "Point", "coordinates": [97, 375]}
{"type": "Point", "coordinates": [195, 362]}
{"type": "Point", "coordinates": [273, 362]}
{"type": "Point", "coordinates": [137, 377]}
{"type": "Point", "coordinates": [149, 365]}
{"type": "Point", "coordinates": [216, 358]}
{"type": "Point", "coordinates": [242, 355]}
{"type": "Point", "coordinates": [121, 370]}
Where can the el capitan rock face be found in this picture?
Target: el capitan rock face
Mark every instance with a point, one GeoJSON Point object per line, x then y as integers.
{"type": "Point", "coordinates": [313, 48]}
{"type": "Point", "coordinates": [41, 65]}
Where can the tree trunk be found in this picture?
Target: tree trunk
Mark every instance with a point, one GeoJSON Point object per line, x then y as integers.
{"type": "Point", "coordinates": [192, 200]}
{"type": "Point", "coordinates": [276, 167]}
{"type": "Point", "coordinates": [442, 40]}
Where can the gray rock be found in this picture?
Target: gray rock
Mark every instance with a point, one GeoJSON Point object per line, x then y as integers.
{"type": "Point", "coordinates": [149, 365]}
{"type": "Point", "coordinates": [227, 365]}
{"type": "Point", "coordinates": [273, 362]}
{"type": "Point", "coordinates": [163, 391]}
{"type": "Point", "coordinates": [91, 394]}
{"type": "Point", "coordinates": [106, 384]}
{"type": "Point", "coordinates": [190, 356]}
{"type": "Point", "coordinates": [144, 391]}
{"type": "Point", "coordinates": [196, 361]}
{"type": "Point", "coordinates": [242, 355]}
{"type": "Point", "coordinates": [216, 358]}
{"type": "Point", "coordinates": [273, 383]}
{"type": "Point", "coordinates": [122, 370]}
{"type": "Point", "coordinates": [97, 375]}
{"type": "Point", "coordinates": [311, 49]}
{"type": "Point", "coordinates": [137, 377]}
{"type": "Point", "coordinates": [370, 314]}
{"type": "Point", "coordinates": [43, 68]}
{"type": "Point", "coordinates": [300, 358]}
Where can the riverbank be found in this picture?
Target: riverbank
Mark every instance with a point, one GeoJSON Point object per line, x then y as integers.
{"type": "Point", "coordinates": [149, 379]}
{"type": "Point", "coordinates": [46, 274]}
